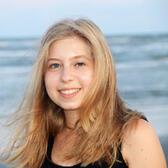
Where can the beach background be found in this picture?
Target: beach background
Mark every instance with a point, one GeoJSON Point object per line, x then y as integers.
{"type": "Point", "coordinates": [137, 33]}
{"type": "Point", "coordinates": [142, 69]}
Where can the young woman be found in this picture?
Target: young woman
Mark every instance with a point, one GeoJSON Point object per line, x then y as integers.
{"type": "Point", "coordinates": [72, 114]}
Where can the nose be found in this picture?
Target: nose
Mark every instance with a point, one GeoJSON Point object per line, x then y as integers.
{"type": "Point", "coordinates": [66, 74]}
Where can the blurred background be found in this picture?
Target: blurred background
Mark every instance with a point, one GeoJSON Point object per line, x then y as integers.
{"type": "Point", "coordinates": [136, 30]}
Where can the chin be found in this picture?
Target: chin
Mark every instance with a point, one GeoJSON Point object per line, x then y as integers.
{"type": "Point", "coordinates": [71, 108]}
{"type": "Point", "coordinates": [68, 108]}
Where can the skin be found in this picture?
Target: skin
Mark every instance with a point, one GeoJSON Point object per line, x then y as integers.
{"type": "Point", "coordinates": [141, 147]}
{"type": "Point", "coordinates": [70, 65]}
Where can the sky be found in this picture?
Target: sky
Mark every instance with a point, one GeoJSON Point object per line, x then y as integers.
{"type": "Point", "coordinates": [31, 18]}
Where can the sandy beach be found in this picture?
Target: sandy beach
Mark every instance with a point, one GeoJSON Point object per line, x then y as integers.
{"type": "Point", "coordinates": [163, 140]}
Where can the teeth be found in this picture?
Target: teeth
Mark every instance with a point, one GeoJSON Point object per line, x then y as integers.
{"type": "Point", "coordinates": [71, 91]}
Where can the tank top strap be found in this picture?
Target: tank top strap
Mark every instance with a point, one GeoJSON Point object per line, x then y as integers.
{"type": "Point", "coordinates": [120, 158]}
{"type": "Point", "coordinates": [50, 146]}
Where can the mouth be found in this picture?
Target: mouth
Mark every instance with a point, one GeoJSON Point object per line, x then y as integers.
{"type": "Point", "coordinates": [69, 93]}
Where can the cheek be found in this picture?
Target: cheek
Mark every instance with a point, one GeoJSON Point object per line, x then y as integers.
{"type": "Point", "coordinates": [87, 79]}
{"type": "Point", "coordinates": [50, 81]}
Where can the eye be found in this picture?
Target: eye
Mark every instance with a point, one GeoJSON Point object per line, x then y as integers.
{"type": "Point", "coordinates": [54, 66]}
{"type": "Point", "coordinates": [80, 64]}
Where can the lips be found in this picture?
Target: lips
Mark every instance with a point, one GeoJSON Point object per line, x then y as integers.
{"type": "Point", "coordinates": [68, 93]}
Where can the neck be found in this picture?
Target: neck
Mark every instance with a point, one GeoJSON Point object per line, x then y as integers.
{"type": "Point", "coordinates": [71, 118]}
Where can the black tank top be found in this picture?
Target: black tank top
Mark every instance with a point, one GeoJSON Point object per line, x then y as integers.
{"type": "Point", "coordinates": [49, 164]}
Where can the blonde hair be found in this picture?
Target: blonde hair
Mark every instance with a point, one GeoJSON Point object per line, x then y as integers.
{"type": "Point", "coordinates": [103, 115]}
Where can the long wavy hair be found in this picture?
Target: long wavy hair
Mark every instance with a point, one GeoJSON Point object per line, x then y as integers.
{"type": "Point", "coordinates": [103, 115]}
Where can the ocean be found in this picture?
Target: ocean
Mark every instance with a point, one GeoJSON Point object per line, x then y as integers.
{"type": "Point", "coordinates": [142, 70]}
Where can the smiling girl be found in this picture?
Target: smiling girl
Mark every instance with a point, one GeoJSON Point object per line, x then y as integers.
{"type": "Point", "coordinates": [72, 114]}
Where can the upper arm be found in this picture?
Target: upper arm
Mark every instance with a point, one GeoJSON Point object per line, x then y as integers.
{"type": "Point", "coordinates": [141, 147]}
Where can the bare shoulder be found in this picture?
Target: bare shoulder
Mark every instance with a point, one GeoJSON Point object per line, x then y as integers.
{"type": "Point", "coordinates": [141, 147]}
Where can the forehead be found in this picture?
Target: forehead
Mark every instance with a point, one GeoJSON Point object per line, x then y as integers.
{"type": "Point", "coordinates": [69, 47]}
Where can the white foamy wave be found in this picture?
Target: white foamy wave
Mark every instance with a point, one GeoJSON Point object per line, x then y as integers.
{"type": "Point", "coordinates": [154, 46]}
{"type": "Point", "coordinates": [141, 64]}
{"type": "Point", "coordinates": [15, 54]}
{"type": "Point", "coordinates": [19, 43]}
{"type": "Point", "coordinates": [4, 44]}
{"type": "Point", "coordinates": [14, 70]}
{"type": "Point", "coordinates": [149, 88]}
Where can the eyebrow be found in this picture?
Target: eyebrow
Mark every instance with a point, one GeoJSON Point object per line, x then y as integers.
{"type": "Point", "coordinates": [75, 57]}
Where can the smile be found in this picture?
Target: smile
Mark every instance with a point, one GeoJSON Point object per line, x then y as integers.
{"type": "Point", "coordinates": [68, 93]}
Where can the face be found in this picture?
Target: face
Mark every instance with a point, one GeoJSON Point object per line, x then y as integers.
{"type": "Point", "coordinates": [69, 72]}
